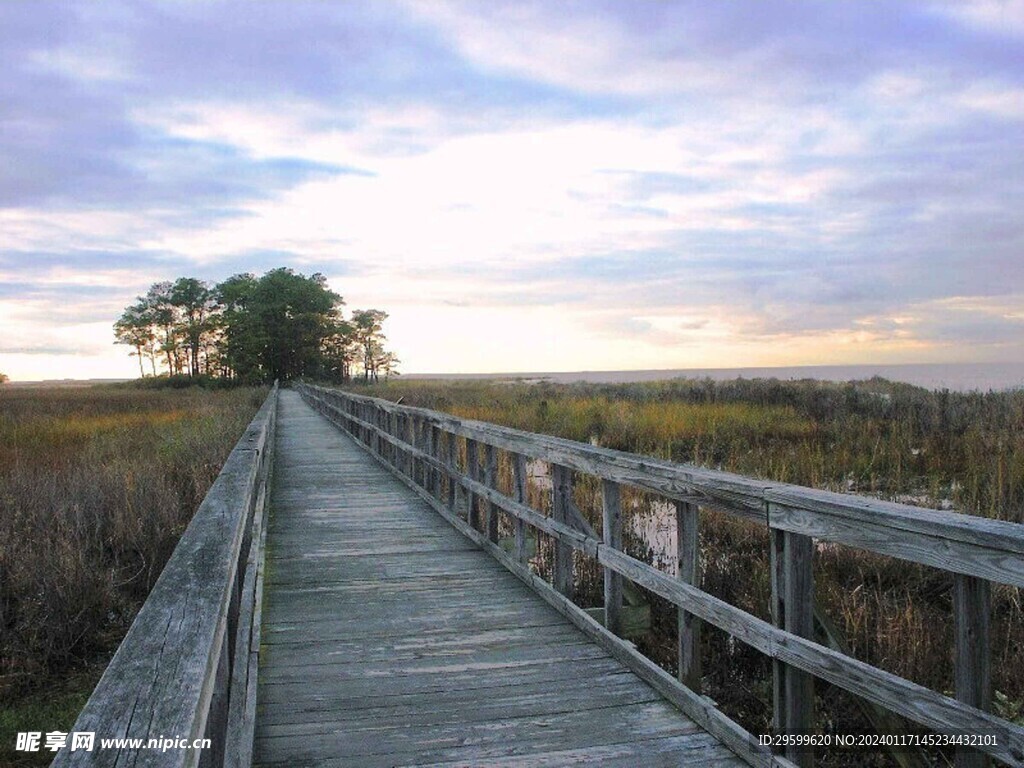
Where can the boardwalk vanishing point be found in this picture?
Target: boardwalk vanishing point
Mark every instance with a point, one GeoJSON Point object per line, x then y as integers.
{"type": "Point", "coordinates": [342, 598]}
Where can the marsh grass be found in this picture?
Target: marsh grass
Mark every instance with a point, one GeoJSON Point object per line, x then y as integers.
{"type": "Point", "coordinates": [96, 486]}
{"type": "Point", "coordinates": [959, 451]}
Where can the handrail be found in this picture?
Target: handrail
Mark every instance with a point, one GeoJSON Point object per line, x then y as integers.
{"type": "Point", "coordinates": [185, 668]}
{"type": "Point", "coordinates": [422, 447]}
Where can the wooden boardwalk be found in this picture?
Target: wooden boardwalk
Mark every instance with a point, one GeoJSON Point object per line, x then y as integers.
{"type": "Point", "coordinates": [390, 639]}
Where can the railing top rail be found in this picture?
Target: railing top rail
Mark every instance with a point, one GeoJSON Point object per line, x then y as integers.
{"type": "Point", "coordinates": [992, 549]}
{"type": "Point", "coordinates": [161, 679]}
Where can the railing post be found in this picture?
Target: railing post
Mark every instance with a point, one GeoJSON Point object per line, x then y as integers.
{"type": "Point", "coordinates": [413, 438]}
{"type": "Point", "coordinates": [435, 454]}
{"type": "Point", "coordinates": [217, 716]}
{"type": "Point", "coordinates": [407, 438]}
{"type": "Point", "coordinates": [561, 490]}
{"type": "Point", "coordinates": [452, 445]}
{"type": "Point", "coordinates": [793, 610]}
{"type": "Point", "coordinates": [380, 421]}
{"type": "Point", "coordinates": [972, 671]}
{"type": "Point", "coordinates": [688, 571]}
{"type": "Point", "coordinates": [473, 470]}
{"type": "Point", "coordinates": [778, 615]}
{"type": "Point", "coordinates": [396, 454]}
{"type": "Point", "coordinates": [394, 421]}
{"type": "Point", "coordinates": [519, 489]}
{"type": "Point", "coordinates": [491, 480]}
{"type": "Point", "coordinates": [611, 512]}
{"type": "Point", "coordinates": [423, 443]}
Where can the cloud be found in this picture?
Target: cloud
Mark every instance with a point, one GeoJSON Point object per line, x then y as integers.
{"type": "Point", "coordinates": [745, 177]}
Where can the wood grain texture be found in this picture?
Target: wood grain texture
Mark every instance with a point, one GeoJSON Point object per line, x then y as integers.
{"type": "Point", "coordinates": [972, 667]}
{"type": "Point", "coordinates": [391, 639]}
{"type": "Point", "coordinates": [688, 571]}
{"type": "Point", "coordinates": [561, 502]}
{"type": "Point", "coordinates": [491, 481]}
{"type": "Point", "coordinates": [798, 580]}
{"type": "Point", "coordinates": [611, 514]}
{"type": "Point", "coordinates": [519, 480]}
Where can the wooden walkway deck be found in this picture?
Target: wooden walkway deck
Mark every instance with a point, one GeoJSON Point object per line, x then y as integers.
{"type": "Point", "coordinates": [389, 639]}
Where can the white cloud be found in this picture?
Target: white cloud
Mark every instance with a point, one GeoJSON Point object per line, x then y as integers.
{"type": "Point", "coordinates": [1005, 16]}
{"type": "Point", "coordinates": [740, 167]}
{"type": "Point", "coordinates": [586, 53]}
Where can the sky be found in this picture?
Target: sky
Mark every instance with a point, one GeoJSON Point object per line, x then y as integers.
{"type": "Point", "coordinates": [525, 186]}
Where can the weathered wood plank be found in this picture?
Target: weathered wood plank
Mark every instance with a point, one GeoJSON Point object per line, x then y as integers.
{"type": "Point", "coordinates": [452, 462]}
{"type": "Point", "coordinates": [510, 699]}
{"type": "Point", "coordinates": [611, 512]}
{"type": "Point", "coordinates": [798, 589]}
{"type": "Point", "coordinates": [473, 472]}
{"type": "Point", "coordinates": [664, 752]}
{"type": "Point", "coordinates": [561, 500]}
{"type": "Point", "coordinates": [688, 571]}
{"type": "Point", "coordinates": [972, 671]}
{"type": "Point", "coordinates": [385, 743]}
{"type": "Point", "coordinates": [519, 480]}
{"type": "Point", "coordinates": [778, 616]}
{"type": "Point", "coordinates": [491, 481]}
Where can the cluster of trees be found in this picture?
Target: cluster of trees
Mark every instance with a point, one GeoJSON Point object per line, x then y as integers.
{"type": "Point", "coordinates": [282, 325]}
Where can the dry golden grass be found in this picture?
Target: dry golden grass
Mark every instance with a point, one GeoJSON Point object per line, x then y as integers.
{"type": "Point", "coordinates": [96, 486]}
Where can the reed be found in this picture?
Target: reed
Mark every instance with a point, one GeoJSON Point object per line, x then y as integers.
{"type": "Point", "coordinates": [96, 486]}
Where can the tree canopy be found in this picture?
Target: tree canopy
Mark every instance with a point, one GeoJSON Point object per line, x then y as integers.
{"type": "Point", "coordinates": [282, 325]}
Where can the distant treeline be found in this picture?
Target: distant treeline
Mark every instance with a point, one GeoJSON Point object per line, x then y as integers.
{"type": "Point", "coordinates": [283, 325]}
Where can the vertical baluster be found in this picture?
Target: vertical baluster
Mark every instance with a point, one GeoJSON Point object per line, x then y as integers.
{"type": "Point", "coordinates": [561, 490]}
{"type": "Point", "coordinates": [491, 480]}
{"type": "Point", "coordinates": [519, 489]}
{"type": "Point", "coordinates": [452, 444]}
{"type": "Point", "coordinates": [688, 571]}
{"type": "Point", "coordinates": [611, 511]}
{"type": "Point", "coordinates": [423, 443]}
{"type": "Point", "coordinates": [393, 431]}
{"type": "Point", "coordinates": [414, 442]}
{"type": "Point", "coordinates": [408, 438]}
{"type": "Point", "coordinates": [473, 470]}
{"type": "Point", "coordinates": [972, 599]}
{"type": "Point", "coordinates": [778, 611]}
{"type": "Point", "coordinates": [435, 454]}
{"type": "Point", "coordinates": [398, 434]}
{"type": "Point", "coordinates": [798, 599]}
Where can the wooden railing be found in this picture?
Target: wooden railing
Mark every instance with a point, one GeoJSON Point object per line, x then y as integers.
{"type": "Point", "coordinates": [187, 667]}
{"type": "Point", "coordinates": [451, 463]}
